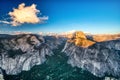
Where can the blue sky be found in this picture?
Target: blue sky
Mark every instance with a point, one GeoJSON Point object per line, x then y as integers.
{"type": "Point", "coordinates": [93, 16]}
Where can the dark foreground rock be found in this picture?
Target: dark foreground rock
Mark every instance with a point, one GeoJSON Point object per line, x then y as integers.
{"type": "Point", "coordinates": [21, 52]}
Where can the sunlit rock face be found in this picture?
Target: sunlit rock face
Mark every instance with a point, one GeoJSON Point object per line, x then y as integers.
{"type": "Point", "coordinates": [79, 39]}
{"type": "Point", "coordinates": [105, 37]}
{"type": "Point", "coordinates": [100, 59]}
{"type": "Point", "coordinates": [21, 52]}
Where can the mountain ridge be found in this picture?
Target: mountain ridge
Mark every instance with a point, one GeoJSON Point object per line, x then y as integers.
{"type": "Point", "coordinates": [28, 50]}
{"type": "Point", "coordinates": [100, 58]}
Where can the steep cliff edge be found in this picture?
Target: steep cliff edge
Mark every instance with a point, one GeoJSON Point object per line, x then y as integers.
{"type": "Point", "coordinates": [21, 52]}
{"type": "Point", "coordinates": [100, 59]}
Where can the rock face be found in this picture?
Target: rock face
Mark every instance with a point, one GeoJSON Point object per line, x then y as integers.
{"type": "Point", "coordinates": [100, 59]}
{"type": "Point", "coordinates": [79, 39]}
{"type": "Point", "coordinates": [54, 42]}
{"type": "Point", "coordinates": [1, 75]}
{"type": "Point", "coordinates": [110, 78]}
{"type": "Point", "coordinates": [22, 52]}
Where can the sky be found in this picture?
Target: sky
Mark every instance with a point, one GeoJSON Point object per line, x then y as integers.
{"type": "Point", "coordinates": [90, 16]}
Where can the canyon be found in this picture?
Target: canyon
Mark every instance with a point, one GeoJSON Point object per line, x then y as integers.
{"type": "Point", "coordinates": [101, 57]}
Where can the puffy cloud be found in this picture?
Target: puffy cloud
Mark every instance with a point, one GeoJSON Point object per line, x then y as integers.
{"type": "Point", "coordinates": [25, 14]}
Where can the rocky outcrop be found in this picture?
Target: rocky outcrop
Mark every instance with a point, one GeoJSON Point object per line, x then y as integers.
{"type": "Point", "coordinates": [1, 75]}
{"type": "Point", "coordinates": [79, 39]}
{"type": "Point", "coordinates": [21, 52]}
{"type": "Point", "coordinates": [111, 78]}
{"type": "Point", "coordinates": [54, 41]}
{"type": "Point", "coordinates": [100, 59]}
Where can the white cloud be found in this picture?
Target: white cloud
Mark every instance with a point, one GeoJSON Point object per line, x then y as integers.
{"type": "Point", "coordinates": [6, 22]}
{"type": "Point", "coordinates": [25, 14]}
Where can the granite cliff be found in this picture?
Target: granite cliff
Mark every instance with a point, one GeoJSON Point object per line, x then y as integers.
{"type": "Point", "coordinates": [99, 58]}
{"type": "Point", "coordinates": [21, 52]}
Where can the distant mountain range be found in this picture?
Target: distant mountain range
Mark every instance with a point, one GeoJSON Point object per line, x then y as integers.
{"type": "Point", "coordinates": [98, 54]}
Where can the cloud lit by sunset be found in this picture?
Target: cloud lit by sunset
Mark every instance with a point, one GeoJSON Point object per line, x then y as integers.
{"type": "Point", "coordinates": [25, 15]}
